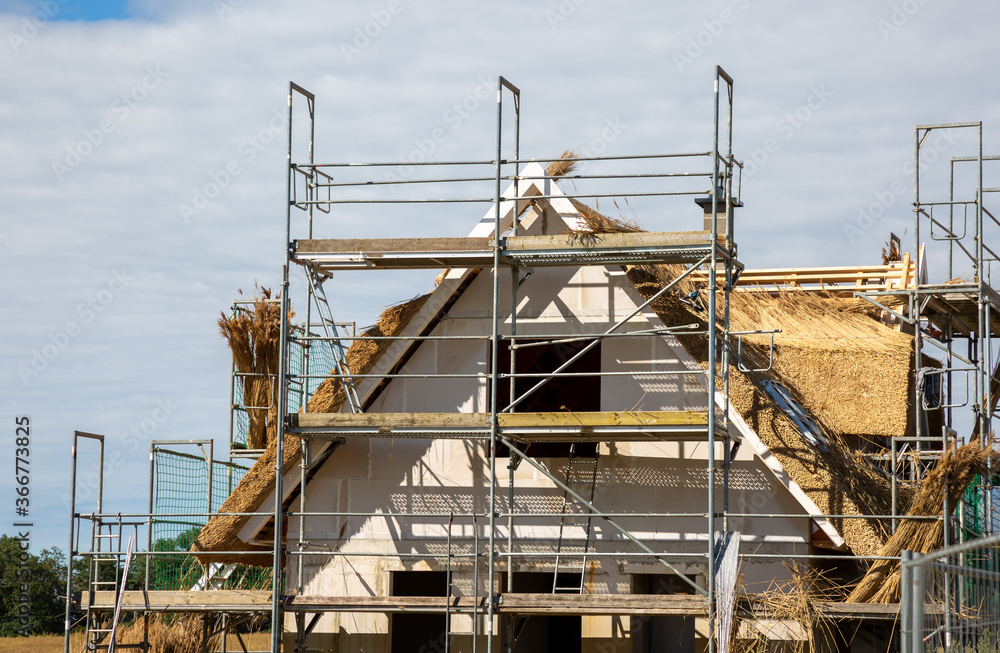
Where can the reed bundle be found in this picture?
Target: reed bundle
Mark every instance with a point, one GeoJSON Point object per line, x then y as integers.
{"type": "Point", "coordinates": [169, 634]}
{"type": "Point", "coordinates": [253, 336]}
{"type": "Point", "coordinates": [949, 478]}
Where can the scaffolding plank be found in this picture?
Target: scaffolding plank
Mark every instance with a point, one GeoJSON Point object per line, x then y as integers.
{"type": "Point", "coordinates": [514, 603]}
{"type": "Point", "coordinates": [586, 420]}
{"type": "Point", "coordinates": [561, 249]}
{"type": "Point", "coordinates": [603, 604]}
{"type": "Point", "coordinates": [181, 601]}
{"type": "Point", "coordinates": [959, 306]}
{"type": "Point", "coordinates": [562, 426]}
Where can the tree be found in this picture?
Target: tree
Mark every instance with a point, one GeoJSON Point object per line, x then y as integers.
{"type": "Point", "coordinates": [175, 572]}
{"type": "Point", "coordinates": [32, 589]}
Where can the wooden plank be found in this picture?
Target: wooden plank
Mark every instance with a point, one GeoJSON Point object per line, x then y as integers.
{"type": "Point", "coordinates": [839, 610]}
{"type": "Point", "coordinates": [603, 604]}
{"type": "Point", "coordinates": [182, 601]}
{"type": "Point", "coordinates": [377, 246]}
{"type": "Point", "coordinates": [390, 421]}
{"type": "Point", "coordinates": [522, 244]}
{"type": "Point", "coordinates": [382, 603]}
{"type": "Point", "coordinates": [530, 426]}
{"type": "Point", "coordinates": [513, 603]}
{"type": "Point", "coordinates": [868, 277]}
{"type": "Point", "coordinates": [589, 420]}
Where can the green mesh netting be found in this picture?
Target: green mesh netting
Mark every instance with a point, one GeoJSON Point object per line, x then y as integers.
{"type": "Point", "coordinates": [180, 491]}
{"type": "Point", "coordinates": [981, 516]}
{"type": "Point", "coordinates": [321, 361]}
{"type": "Point", "coordinates": [981, 508]}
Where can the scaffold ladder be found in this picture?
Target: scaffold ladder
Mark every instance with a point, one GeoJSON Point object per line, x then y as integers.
{"type": "Point", "coordinates": [581, 472]}
{"type": "Point", "coordinates": [332, 333]}
{"type": "Point", "coordinates": [452, 598]}
{"type": "Point", "coordinates": [107, 549]}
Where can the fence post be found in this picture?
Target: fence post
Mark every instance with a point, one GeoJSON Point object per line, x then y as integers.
{"type": "Point", "coordinates": [906, 599]}
{"type": "Point", "coordinates": [917, 598]}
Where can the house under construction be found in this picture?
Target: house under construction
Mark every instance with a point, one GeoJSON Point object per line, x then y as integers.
{"type": "Point", "coordinates": [591, 432]}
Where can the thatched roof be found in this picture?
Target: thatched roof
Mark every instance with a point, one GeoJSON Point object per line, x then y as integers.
{"type": "Point", "coordinates": [221, 532]}
{"type": "Point", "coordinates": [850, 372]}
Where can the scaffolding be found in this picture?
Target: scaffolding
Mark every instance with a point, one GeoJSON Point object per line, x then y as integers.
{"type": "Point", "coordinates": [473, 545]}
{"type": "Point", "coordinates": [494, 247]}
{"type": "Point", "coordinates": [956, 318]}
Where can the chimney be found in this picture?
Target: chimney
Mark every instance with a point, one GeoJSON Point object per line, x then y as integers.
{"type": "Point", "coordinates": [706, 205]}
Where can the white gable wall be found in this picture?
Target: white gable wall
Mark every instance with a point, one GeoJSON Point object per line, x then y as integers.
{"type": "Point", "coordinates": [406, 476]}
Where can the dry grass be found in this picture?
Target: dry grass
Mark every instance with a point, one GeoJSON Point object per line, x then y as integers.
{"type": "Point", "coordinates": [164, 639]}
{"type": "Point", "coordinates": [253, 337]}
{"type": "Point", "coordinates": [949, 477]}
{"type": "Point", "coordinates": [41, 643]}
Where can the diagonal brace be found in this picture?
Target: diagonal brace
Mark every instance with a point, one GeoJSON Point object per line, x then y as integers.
{"type": "Point", "coordinates": [597, 513]}
{"type": "Point", "coordinates": [620, 323]}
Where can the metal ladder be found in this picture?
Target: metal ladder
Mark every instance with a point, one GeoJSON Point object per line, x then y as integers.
{"type": "Point", "coordinates": [581, 474]}
{"type": "Point", "coordinates": [451, 600]}
{"type": "Point", "coordinates": [215, 576]}
{"type": "Point", "coordinates": [333, 334]}
{"type": "Point", "coordinates": [101, 627]}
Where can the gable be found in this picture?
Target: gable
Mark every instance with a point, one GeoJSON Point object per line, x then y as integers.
{"type": "Point", "coordinates": [554, 301]}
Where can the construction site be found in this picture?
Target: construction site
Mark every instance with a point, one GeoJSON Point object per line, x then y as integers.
{"type": "Point", "coordinates": [578, 429]}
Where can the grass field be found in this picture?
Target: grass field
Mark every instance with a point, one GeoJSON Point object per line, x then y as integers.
{"type": "Point", "coordinates": [55, 643]}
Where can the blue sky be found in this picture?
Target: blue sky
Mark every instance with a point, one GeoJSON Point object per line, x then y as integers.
{"type": "Point", "coordinates": [69, 10]}
{"type": "Point", "coordinates": [111, 127]}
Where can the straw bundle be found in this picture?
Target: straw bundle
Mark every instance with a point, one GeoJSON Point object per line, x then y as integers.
{"type": "Point", "coordinates": [220, 534]}
{"type": "Point", "coordinates": [791, 603]}
{"type": "Point", "coordinates": [561, 166]}
{"type": "Point", "coordinates": [253, 337]}
{"type": "Point", "coordinates": [950, 476]}
{"type": "Point", "coordinates": [184, 634]}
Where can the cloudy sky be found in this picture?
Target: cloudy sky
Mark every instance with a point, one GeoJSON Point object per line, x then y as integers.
{"type": "Point", "coordinates": [143, 149]}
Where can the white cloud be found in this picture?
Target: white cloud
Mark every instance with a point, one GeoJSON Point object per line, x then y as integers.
{"type": "Point", "coordinates": [224, 77]}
